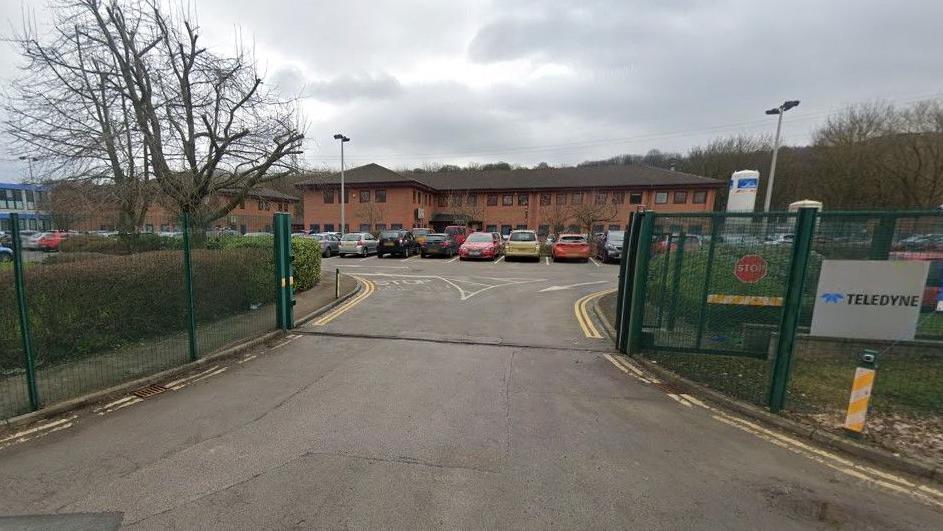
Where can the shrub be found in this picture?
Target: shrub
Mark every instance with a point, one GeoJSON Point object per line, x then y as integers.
{"type": "Point", "coordinates": [81, 308]}
{"type": "Point", "coordinates": [121, 244]}
{"type": "Point", "coordinates": [307, 253]}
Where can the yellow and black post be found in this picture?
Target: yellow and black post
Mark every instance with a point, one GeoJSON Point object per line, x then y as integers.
{"type": "Point", "coordinates": [284, 278]}
{"type": "Point", "coordinates": [861, 392]}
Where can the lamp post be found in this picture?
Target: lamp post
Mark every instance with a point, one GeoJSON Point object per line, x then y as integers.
{"type": "Point", "coordinates": [30, 161]}
{"type": "Point", "coordinates": [772, 165]}
{"type": "Point", "coordinates": [343, 139]}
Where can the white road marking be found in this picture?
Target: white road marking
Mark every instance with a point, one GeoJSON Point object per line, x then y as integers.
{"type": "Point", "coordinates": [214, 373]}
{"type": "Point", "coordinates": [378, 266]}
{"type": "Point", "coordinates": [453, 259]}
{"type": "Point", "coordinates": [593, 260]}
{"type": "Point", "coordinates": [175, 383]}
{"type": "Point", "coordinates": [245, 359]}
{"type": "Point", "coordinates": [38, 429]}
{"type": "Point", "coordinates": [558, 288]}
{"type": "Point", "coordinates": [499, 259]}
{"type": "Point", "coordinates": [413, 257]}
{"type": "Point", "coordinates": [113, 404]}
{"type": "Point", "coordinates": [121, 406]}
{"type": "Point", "coordinates": [464, 294]}
{"type": "Point", "coordinates": [547, 260]}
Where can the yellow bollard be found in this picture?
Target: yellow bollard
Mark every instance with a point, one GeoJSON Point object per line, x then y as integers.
{"type": "Point", "coordinates": [861, 393]}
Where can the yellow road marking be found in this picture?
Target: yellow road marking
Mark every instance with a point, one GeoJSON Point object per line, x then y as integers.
{"type": "Point", "coordinates": [847, 466]}
{"type": "Point", "coordinates": [368, 289]}
{"type": "Point", "coordinates": [583, 317]}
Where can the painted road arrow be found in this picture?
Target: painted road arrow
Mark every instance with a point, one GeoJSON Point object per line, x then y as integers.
{"type": "Point", "coordinates": [558, 288]}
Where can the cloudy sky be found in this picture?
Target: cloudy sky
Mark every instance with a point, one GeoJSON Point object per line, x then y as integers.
{"type": "Point", "coordinates": [525, 81]}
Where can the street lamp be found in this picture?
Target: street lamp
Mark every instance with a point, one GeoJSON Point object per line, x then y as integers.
{"type": "Point", "coordinates": [343, 139]}
{"type": "Point", "coordinates": [30, 160]}
{"type": "Point", "coordinates": [772, 165]}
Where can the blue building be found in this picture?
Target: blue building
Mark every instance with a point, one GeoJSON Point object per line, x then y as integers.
{"type": "Point", "coordinates": [27, 200]}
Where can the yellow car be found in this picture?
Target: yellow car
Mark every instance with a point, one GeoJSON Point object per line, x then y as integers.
{"type": "Point", "coordinates": [522, 244]}
{"type": "Point", "coordinates": [420, 234]}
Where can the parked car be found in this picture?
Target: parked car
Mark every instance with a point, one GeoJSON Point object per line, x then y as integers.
{"type": "Point", "coordinates": [523, 244]}
{"type": "Point", "coordinates": [780, 239]}
{"type": "Point", "coordinates": [438, 244]}
{"type": "Point", "coordinates": [502, 245]}
{"type": "Point", "coordinates": [6, 254]}
{"type": "Point", "coordinates": [609, 246]}
{"type": "Point", "coordinates": [420, 233]}
{"type": "Point", "coordinates": [50, 241]}
{"type": "Point", "coordinates": [357, 243]}
{"type": "Point", "coordinates": [397, 241]}
{"type": "Point", "coordinates": [248, 234]}
{"type": "Point", "coordinates": [329, 243]}
{"type": "Point", "coordinates": [692, 242]}
{"type": "Point", "coordinates": [570, 247]}
{"type": "Point", "coordinates": [6, 238]}
{"type": "Point", "coordinates": [458, 232]}
{"type": "Point", "coordinates": [921, 242]}
{"type": "Point", "coordinates": [29, 239]}
{"type": "Point", "coordinates": [480, 245]}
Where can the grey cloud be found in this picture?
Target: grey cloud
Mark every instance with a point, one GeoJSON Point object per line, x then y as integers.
{"type": "Point", "coordinates": [355, 86]}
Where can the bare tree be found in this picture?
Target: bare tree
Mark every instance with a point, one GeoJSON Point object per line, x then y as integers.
{"type": "Point", "coordinates": [65, 110]}
{"type": "Point", "coordinates": [557, 215]}
{"type": "Point", "coordinates": [206, 119]}
{"type": "Point", "coordinates": [466, 205]}
{"type": "Point", "coordinates": [594, 208]}
{"type": "Point", "coordinates": [371, 214]}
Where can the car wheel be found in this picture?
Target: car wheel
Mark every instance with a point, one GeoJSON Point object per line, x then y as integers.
{"type": "Point", "coordinates": [406, 252]}
{"type": "Point", "coordinates": [6, 257]}
{"type": "Point", "coordinates": [363, 252]}
{"type": "Point", "coordinates": [327, 253]}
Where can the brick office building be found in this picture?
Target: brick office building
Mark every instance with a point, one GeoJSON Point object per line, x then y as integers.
{"type": "Point", "coordinates": [547, 200]}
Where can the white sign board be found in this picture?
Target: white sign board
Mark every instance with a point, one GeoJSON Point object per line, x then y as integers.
{"type": "Point", "coordinates": [869, 299]}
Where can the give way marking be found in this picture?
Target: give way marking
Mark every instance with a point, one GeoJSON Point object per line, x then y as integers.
{"type": "Point", "coordinates": [559, 288]}
{"type": "Point", "coordinates": [466, 288]}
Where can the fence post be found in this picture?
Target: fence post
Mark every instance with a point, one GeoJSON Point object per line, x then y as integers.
{"type": "Point", "coordinates": [664, 278]}
{"type": "Point", "coordinates": [284, 280]}
{"type": "Point", "coordinates": [640, 282]}
{"type": "Point", "coordinates": [792, 303]}
{"type": "Point", "coordinates": [676, 281]}
{"type": "Point", "coordinates": [883, 237]}
{"type": "Point", "coordinates": [25, 333]}
{"type": "Point", "coordinates": [708, 271]}
{"type": "Point", "coordinates": [188, 286]}
{"type": "Point", "coordinates": [337, 283]}
{"type": "Point", "coordinates": [626, 267]}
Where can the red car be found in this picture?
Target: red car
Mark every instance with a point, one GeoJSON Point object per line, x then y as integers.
{"type": "Point", "coordinates": [570, 246]}
{"type": "Point", "coordinates": [480, 245]}
{"type": "Point", "coordinates": [931, 294]}
{"type": "Point", "coordinates": [457, 233]}
{"type": "Point", "coordinates": [50, 241]}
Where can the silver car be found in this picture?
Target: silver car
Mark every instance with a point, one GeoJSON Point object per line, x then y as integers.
{"type": "Point", "coordinates": [330, 244]}
{"type": "Point", "coordinates": [357, 243]}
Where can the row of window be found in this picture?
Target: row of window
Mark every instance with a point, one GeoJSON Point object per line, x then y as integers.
{"type": "Point", "coordinates": [379, 196]}
{"type": "Point", "coordinates": [266, 205]}
{"type": "Point", "coordinates": [681, 197]}
{"type": "Point", "coordinates": [27, 224]}
{"type": "Point", "coordinates": [20, 199]}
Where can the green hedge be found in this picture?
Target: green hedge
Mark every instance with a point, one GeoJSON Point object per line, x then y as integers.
{"type": "Point", "coordinates": [121, 244]}
{"type": "Point", "coordinates": [78, 309]}
{"type": "Point", "coordinates": [307, 251]}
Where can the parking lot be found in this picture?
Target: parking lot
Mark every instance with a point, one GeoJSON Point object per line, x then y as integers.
{"type": "Point", "coordinates": [518, 302]}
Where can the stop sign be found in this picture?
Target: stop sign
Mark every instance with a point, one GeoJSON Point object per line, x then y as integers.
{"type": "Point", "coordinates": [751, 269]}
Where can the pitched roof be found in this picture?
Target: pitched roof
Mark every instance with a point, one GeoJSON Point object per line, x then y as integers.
{"type": "Point", "coordinates": [543, 178]}
{"type": "Point", "coordinates": [265, 193]}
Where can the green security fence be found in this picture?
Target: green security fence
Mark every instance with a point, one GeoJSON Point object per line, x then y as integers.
{"type": "Point", "coordinates": [726, 299]}
{"type": "Point", "coordinates": [111, 308]}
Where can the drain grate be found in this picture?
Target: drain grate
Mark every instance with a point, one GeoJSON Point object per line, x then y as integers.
{"type": "Point", "coordinates": [149, 391]}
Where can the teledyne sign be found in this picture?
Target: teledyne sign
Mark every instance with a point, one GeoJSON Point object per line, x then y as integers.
{"type": "Point", "coordinates": [869, 299]}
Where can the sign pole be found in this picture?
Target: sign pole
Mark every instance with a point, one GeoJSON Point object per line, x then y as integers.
{"type": "Point", "coordinates": [861, 393]}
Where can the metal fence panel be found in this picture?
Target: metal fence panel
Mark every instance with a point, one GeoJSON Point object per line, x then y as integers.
{"type": "Point", "coordinates": [14, 397]}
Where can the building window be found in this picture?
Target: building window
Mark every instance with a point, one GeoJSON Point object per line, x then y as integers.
{"type": "Point", "coordinates": [472, 200]}
{"type": "Point", "coordinates": [149, 227]}
{"type": "Point", "coordinates": [543, 230]}
{"type": "Point", "coordinates": [328, 227]}
{"type": "Point", "coordinates": [505, 229]}
{"type": "Point", "coordinates": [561, 199]}
{"type": "Point", "coordinates": [613, 226]}
{"type": "Point", "coordinates": [544, 199]}
{"type": "Point", "coordinates": [364, 227]}
{"type": "Point", "coordinates": [456, 200]}
{"type": "Point", "coordinates": [597, 229]}
{"type": "Point", "coordinates": [380, 196]}
{"type": "Point", "coordinates": [365, 196]}
{"type": "Point", "coordinates": [661, 198]}
{"type": "Point", "coordinates": [346, 228]}
{"type": "Point", "coordinates": [491, 228]}
{"type": "Point", "coordinates": [618, 198]}
{"type": "Point", "coordinates": [264, 205]}
{"type": "Point", "coordinates": [507, 200]}
{"type": "Point", "coordinates": [328, 197]}
{"type": "Point", "coordinates": [635, 198]}
{"type": "Point", "coordinates": [242, 203]}
{"type": "Point", "coordinates": [681, 198]}
{"type": "Point", "coordinates": [396, 226]}
{"type": "Point", "coordinates": [492, 200]}
{"type": "Point", "coordinates": [381, 227]}
{"type": "Point", "coordinates": [601, 198]}
{"type": "Point", "coordinates": [521, 199]}
{"type": "Point", "coordinates": [699, 197]}
{"type": "Point", "coordinates": [315, 227]}
{"type": "Point", "coordinates": [520, 227]}
{"type": "Point", "coordinates": [577, 198]}
{"type": "Point", "coordinates": [17, 199]}
{"type": "Point", "coordinates": [414, 195]}
{"type": "Point", "coordinates": [443, 201]}
{"type": "Point", "coordinates": [30, 202]}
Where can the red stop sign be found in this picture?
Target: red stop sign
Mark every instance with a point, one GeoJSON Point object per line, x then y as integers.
{"type": "Point", "coordinates": [751, 269]}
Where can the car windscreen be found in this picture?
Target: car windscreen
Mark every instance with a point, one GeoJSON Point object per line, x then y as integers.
{"type": "Point", "coordinates": [572, 239]}
{"type": "Point", "coordinates": [452, 230]}
{"type": "Point", "coordinates": [435, 238]}
{"type": "Point", "coordinates": [480, 237]}
{"type": "Point", "coordinates": [523, 237]}
{"type": "Point", "coordinates": [615, 236]}
{"type": "Point", "coordinates": [390, 234]}
{"type": "Point", "coordinates": [420, 232]}
{"type": "Point", "coordinates": [351, 237]}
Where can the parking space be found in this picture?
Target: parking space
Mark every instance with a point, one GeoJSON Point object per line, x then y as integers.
{"type": "Point", "coordinates": [533, 302]}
